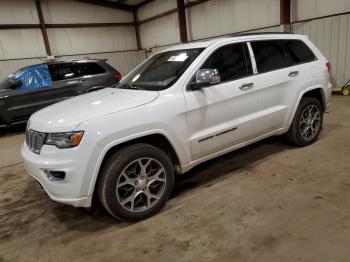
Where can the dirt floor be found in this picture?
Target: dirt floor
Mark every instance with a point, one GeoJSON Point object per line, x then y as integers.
{"type": "Point", "coordinates": [267, 202]}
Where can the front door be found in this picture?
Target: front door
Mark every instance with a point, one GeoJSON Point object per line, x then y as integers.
{"type": "Point", "coordinates": [222, 115]}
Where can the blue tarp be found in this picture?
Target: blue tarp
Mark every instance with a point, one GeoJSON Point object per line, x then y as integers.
{"type": "Point", "coordinates": [34, 77]}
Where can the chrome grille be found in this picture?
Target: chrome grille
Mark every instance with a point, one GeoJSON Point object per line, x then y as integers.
{"type": "Point", "coordinates": [35, 140]}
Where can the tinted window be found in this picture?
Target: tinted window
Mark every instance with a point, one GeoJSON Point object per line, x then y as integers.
{"type": "Point", "coordinates": [297, 52]}
{"type": "Point", "coordinates": [269, 55]}
{"type": "Point", "coordinates": [63, 71]}
{"type": "Point", "coordinates": [230, 61]}
{"type": "Point", "coordinates": [90, 69]}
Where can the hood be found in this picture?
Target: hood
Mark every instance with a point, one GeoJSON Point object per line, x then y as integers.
{"type": "Point", "coordinates": [66, 115]}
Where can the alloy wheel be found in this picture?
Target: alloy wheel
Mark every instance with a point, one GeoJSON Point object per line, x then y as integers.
{"type": "Point", "coordinates": [141, 184]}
{"type": "Point", "coordinates": [310, 122]}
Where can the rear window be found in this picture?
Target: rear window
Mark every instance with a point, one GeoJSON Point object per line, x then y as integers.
{"type": "Point", "coordinates": [269, 55]}
{"type": "Point", "coordinates": [91, 69]}
{"type": "Point", "coordinates": [297, 52]}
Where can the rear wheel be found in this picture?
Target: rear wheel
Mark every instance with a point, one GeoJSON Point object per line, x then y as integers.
{"type": "Point", "coordinates": [135, 182]}
{"type": "Point", "coordinates": [307, 122]}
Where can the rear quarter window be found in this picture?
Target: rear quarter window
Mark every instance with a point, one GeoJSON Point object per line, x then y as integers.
{"type": "Point", "coordinates": [297, 52]}
{"type": "Point", "coordinates": [91, 69]}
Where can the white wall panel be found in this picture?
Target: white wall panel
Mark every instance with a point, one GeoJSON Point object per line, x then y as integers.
{"type": "Point", "coordinates": [155, 8]}
{"type": "Point", "coordinates": [332, 36]}
{"type": "Point", "coordinates": [91, 40]}
{"type": "Point", "coordinates": [122, 61]}
{"type": "Point", "coordinates": [18, 12]}
{"type": "Point", "coordinates": [67, 11]}
{"type": "Point", "coordinates": [219, 17]}
{"type": "Point", "coordinates": [21, 43]}
{"type": "Point", "coordinates": [163, 31]}
{"type": "Point", "coordinates": [306, 9]}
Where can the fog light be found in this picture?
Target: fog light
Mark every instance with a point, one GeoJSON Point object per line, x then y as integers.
{"type": "Point", "coordinates": [55, 175]}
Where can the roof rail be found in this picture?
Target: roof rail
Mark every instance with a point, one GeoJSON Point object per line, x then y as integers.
{"type": "Point", "coordinates": [261, 33]}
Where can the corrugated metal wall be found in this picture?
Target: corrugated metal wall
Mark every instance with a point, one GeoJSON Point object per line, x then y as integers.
{"type": "Point", "coordinates": [22, 47]}
{"type": "Point", "coordinates": [308, 9]}
{"type": "Point", "coordinates": [163, 31]}
{"type": "Point", "coordinates": [206, 20]}
{"type": "Point", "coordinates": [331, 35]}
{"type": "Point", "coordinates": [63, 11]}
{"type": "Point", "coordinates": [221, 17]}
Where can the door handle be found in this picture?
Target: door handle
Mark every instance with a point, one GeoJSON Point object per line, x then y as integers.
{"type": "Point", "coordinates": [82, 80]}
{"type": "Point", "coordinates": [245, 87]}
{"type": "Point", "coordinates": [293, 73]}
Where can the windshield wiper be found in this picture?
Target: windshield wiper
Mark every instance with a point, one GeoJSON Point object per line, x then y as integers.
{"type": "Point", "coordinates": [129, 86]}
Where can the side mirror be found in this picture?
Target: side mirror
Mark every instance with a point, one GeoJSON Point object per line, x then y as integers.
{"type": "Point", "coordinates": [14, 83]}
{"type": "Point", "coordinates": [205, 77]}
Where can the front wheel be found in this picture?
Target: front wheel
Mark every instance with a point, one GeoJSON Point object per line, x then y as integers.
{"type": "Point", "coordinates": [135, 182]}
{"type": "Point", "coordinates": [307, 122]}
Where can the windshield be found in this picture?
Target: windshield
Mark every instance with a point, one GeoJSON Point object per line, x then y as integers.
{"type": "Point", "coordinates": [161, 70]}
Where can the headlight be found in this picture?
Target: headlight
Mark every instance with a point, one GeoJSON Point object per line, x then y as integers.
{"type": "Point", "coordinates": [64, 140]}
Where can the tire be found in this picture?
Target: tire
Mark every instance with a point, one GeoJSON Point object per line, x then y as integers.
{"type": "Point", "coordinates": [135, 182]}
{"type": "Point", "coordinates": [307, 123]}
{"type": "Point", "coordinates": [3, 129]}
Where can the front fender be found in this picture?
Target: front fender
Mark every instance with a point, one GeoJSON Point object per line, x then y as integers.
{"type": "Point", "coordinates": [104, 149]}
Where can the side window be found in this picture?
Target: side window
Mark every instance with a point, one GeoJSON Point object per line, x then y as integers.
{"type": "Point", "coordinates": [90, 69]}
{"type": "Point", "coordinates": [269, 55]}
{"type": "Point", "coordinates": [231, 62]}
{"type": "Point", "coordinates": [34, 77]}
{"type": "Point", "coordinates": [297, 52]}
{"type": "Point", "coordinates": [63, 71]}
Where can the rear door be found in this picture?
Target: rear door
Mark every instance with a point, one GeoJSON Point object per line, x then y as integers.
{"type": "Point", "coordinates": [281, 73]}
{"type": "Point", "coordinates": [68, 81]}
{"type": "Point", "coordinates": [96, 75]}
{"type": "Point", "coordinates": [274, 80]}
{"type": "Point", "coordinates": [224, 114]}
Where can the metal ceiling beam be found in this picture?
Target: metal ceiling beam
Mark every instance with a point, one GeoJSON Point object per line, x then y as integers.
{"type": "Point", "coordinates": [142, 4]}
{"type": "Point", "coordinates": [116, 5]}
{"type": "Point", "coordinates": [43, 27]}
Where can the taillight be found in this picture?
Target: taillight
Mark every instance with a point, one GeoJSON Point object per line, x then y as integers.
{"type": "Point", "coordinates": [328, 66]}
{"type": "Point", "coordinates": [117, 76]}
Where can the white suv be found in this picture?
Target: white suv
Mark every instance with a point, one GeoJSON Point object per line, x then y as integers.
{"type": "Point", "coordinates": [179, 108]}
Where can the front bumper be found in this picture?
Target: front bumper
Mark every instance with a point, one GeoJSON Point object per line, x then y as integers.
{"type": "Point", "coordinates": [68, 191]}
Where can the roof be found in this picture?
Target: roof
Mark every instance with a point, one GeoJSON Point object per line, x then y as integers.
{"type": "Point", "coordinates": [238, 37]}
